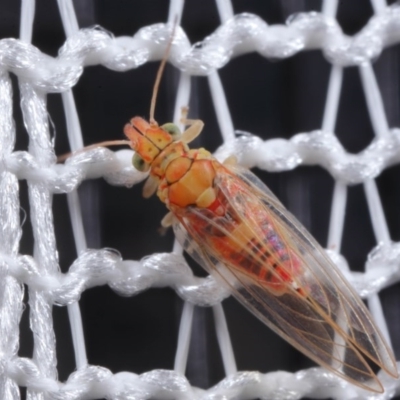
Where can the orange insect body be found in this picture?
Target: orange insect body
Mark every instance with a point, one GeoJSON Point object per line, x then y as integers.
{"type": "Point", "coordinates": [186, 178]}
{"type": "Point", "coordinates": [231, 223]}
{"type": "Point", "coordinates": [184, 174]}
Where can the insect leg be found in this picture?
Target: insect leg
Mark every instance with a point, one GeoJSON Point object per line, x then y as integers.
{"type": "Point", "coordinates": [150, 186]}
{"type": "Point", "coordinates": [230, 161]}
{"type": "Point", "coordinates": [194, 130]}
{"type": "Point", "coordinates": [168, 220]}
{"type": "Point", "coordinates": [195, 127]}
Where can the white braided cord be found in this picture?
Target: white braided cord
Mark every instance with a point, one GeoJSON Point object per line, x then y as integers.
{"type": "Point", "coordinates": [129, 277]}
{"type": "Point", "coordinates": [40, 74]}
{"type": "Point", "coordinates": [99, 382]}
{"type": "Point", "coordinates": [243, 34]}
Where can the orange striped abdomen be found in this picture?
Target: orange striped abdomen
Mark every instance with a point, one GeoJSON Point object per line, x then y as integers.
{"type": "Point", "coordinates": [268, 263]}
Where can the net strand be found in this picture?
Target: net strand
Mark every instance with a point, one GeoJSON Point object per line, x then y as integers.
{"type": "Point", "coordinates": [99, 382]}
{"type": "Point", "coordinates": [74, 132]}
{"type": "Point", "coordinates": [103, 267]}
{"type": "Point", "coordinates": [33, 105]}
{"type": "Point", "coordinates": [11, 290]}
{"type": "Point", "coordinates": [95, 46]}
{"type": "Point", "coordinates": [336, 222]}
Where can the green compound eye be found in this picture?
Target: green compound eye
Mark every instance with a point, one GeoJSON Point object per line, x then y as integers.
{"type": "Point", "coordinates": [139, 163]}
{"type": "Point", "coordinates": [173, 130]}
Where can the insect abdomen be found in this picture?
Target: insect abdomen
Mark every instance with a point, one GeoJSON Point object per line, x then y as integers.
{"type": "Point", "coordinates": [272, 271]}
{"type": "Point", "coordinates": [268, 263]}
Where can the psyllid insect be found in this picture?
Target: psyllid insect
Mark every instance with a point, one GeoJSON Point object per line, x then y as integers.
{"type": "Point", "coordinates": [233, 225]}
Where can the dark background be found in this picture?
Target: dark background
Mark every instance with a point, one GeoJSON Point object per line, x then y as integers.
{"type": "Point", "coordinates": [269, 99]}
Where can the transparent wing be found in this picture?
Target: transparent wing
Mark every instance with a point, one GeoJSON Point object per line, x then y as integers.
{"type": "Point", "coordinates": [349, 308]}
{"type": "Point", "coordinates": [276, 269]}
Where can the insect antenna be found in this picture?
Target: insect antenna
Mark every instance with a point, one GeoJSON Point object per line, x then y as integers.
{"type": "Point", "coordinates": [160, 71]}
{"type": "Point", "coordinates": [107, 143]}
{"type": "Point", "coordinates": [159, 75]}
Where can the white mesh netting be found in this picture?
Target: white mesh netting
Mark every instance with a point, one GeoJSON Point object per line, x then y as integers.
{"type": "Point", "coordinates": [39, 74]}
